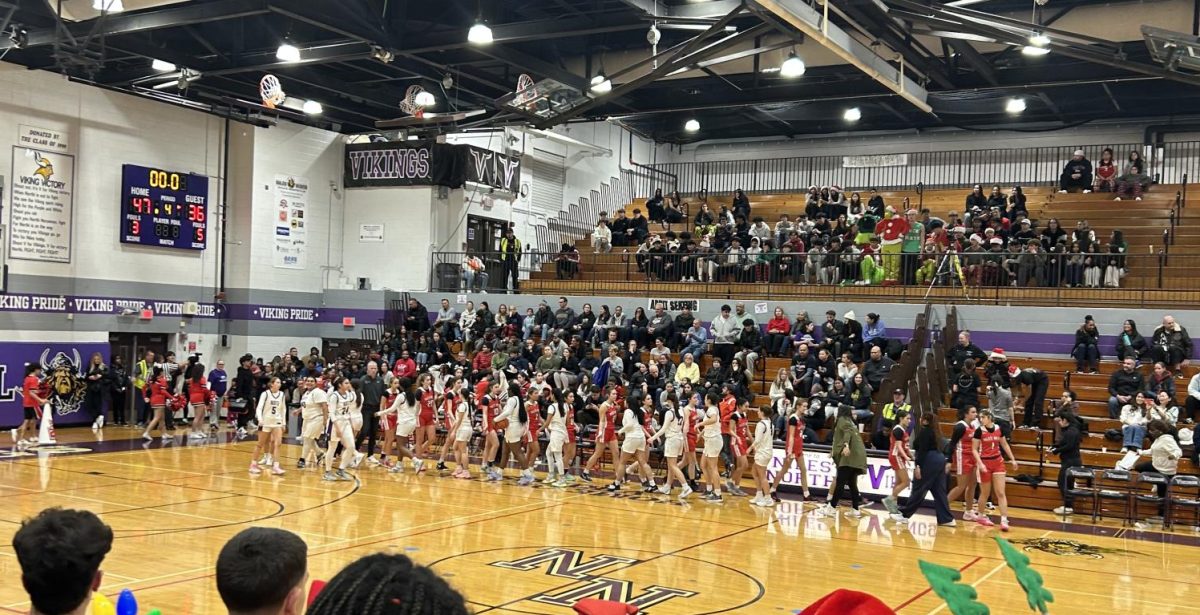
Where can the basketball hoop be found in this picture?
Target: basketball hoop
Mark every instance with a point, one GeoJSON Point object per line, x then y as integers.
{"type": "Point", "coordinates": [271, 91]}
{"type": "Point", "coordinates": [526, 91]}
{"type": "Point", "coordinates": [410, 105]}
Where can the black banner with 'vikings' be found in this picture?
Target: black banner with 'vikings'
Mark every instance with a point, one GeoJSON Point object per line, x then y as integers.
{"type": "Point", "coordinates": [423, 163]}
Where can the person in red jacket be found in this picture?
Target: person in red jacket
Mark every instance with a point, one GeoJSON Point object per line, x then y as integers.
{"type": "Point", "coordinates": [32, 400]}
{"type": "Point", "coordinates": [481, 363]}
{"type": "Point", "coordinates": [779, 338]}
{"type": "Point", "coordinates": [891, 232]}
{"type": "Point", "coordinates": [405, 367]}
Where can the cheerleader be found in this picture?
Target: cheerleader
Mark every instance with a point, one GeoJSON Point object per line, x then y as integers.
{"type": "Point", "coordinates": [197, 392]}
{"type": "Point", "coordinates": [314, 410]}
{"type": "Point", "coordinates": [489, 406]}
{"type": "Point", "coordinates": [462, 431]}
{"type": "Point", "coordinates": [739, 430]}
{"type": "Point", "coordinates": [899, 459]}
{"type": "Point", "coordinates": [450, 400]}
{"type": "Point", "coordinates": [427, 418]}
{"type": "Point", "coordinates": [515, 433]}
{"type": "Point", "coordinates": [989, 447]}
{"type": "Point", "coordinates": [569, 448]}
{"type": "Point", "coordinates": [535, 407]}
{"type": "Point", "coordinates": [158, 404]}
{"type": "Point", "coordinates": [711, 426]}
{"type": "Point", "coordinates": [606, 435]}
{"type": "Point", "coordinates": [964, 461]}
{"type": "Point", "coordinates": [633, 446]}
{"type": "Point", "coordinates": [341, 413]}
{"type": "Point", "coordinates": [270, 415]}
{"type": "Point", "coordinates": [407, 411]}
{"type": "Point", "coordinates": [387, 417]}
{"type": "Point", "coordinates": [763, 449]}
{"type": "Point", "coordinates": [675, 424]}
{"type": "Point", "coordinates": [556, 431]}
{"type": "Point", "coordinates": [795, 446]}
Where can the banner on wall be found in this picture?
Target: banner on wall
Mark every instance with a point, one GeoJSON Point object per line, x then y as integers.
{"type": "Point", "coordinates": [290, 221]}
{"type": "Point", "coordinates": [875, 160]}
{"type": "Point", "coordinates": [41, 210]}
{"type": "Point", "coordinates": [500, 171]}
{"type": "Point", "coordinates": [404, 163]}
{"type": "Point", "coordinates": [45, 139]}
{"type": "Point", "coordinates": [62, 367]}
{"type": "Point", "coordinates": [878, 479]}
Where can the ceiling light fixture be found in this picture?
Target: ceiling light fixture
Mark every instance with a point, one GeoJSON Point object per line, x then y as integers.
{"type": "Point", "coordinates": [162, 66]}
{"type": "Point", "coordinates": [480, 34]}
{"type": "Point", "coordinates": [424, 99]}
{"type": "Point", "coordinates": [312, 107]}
{"type": "Point", "coordinates": [287, 52]}
{"type": "Point", "coordinates": [853, 114]}
{"type": "Point", "coordinates": [692, 126]}
{"type": "Point", "coordinates": [601, 84]}
{"type": "Point", "coordinates": [792, 67]}
{"type": "Point", "coordinates": [109, 6]}
{"type": "Point", "coordinates": [1015, 105]}
{"type": "Point", "coordinates": [1038, 39]}
{"type": "Point", "coordinates": [1030, 50]}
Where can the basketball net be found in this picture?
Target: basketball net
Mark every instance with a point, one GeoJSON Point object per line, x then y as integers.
{"type": "Point", "coordinates": [525, 90]}
{"type": "Point", "coordinates": [271, 91]}
{"type": "Point", "coordinates": [409, 103]}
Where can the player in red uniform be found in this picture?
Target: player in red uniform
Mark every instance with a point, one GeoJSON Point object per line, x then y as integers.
{"type": "Point", "coordinates": [387, 416]}
{"type": "Point", "coordinates": [489, 407]}
{"type": "Point", "coordinates": [450, 399]}
{"type": "Point", "coordinates": [32, 401]}
{"type": "Point", "coordinates": [535, 407]}
{"type": "Point", "coordinates": [727, 407]}
{"type": "Point", "coordinates": [427, 417]}
{"type": "Point", "coordinates": [739, 428]}
{"type": "Point", "coordinates": [606, 435]}
{"type": "Point", "coordinates": [964, 461]}
{"type": "Point", "coordinates": [989, 448]}
{"type": "Point", "coordinates": [794, 449]}
{"type": "Point", "coordinates": [899, 458]}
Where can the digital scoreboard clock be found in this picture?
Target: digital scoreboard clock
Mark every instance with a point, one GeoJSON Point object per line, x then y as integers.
{"type": "Point", "coordinates": [163, 208]}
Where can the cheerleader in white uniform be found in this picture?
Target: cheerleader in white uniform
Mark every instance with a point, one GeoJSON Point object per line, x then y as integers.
{"type": "Point", "coordinates": [270, 415]}
{"type": "Point", "coordinates": [711, 426]}
{"type": "Point", "coordinates": [763, 448]}
{"type": "Point", "coordinates": [675, 424]}
{"type": "Point", "coordinates": [342, 407]}
{"type": "Point", "coordinates": [556, 431]}
{"type": "Point", "coordinates": [517, 419]}
{"type": "Point", "coordinates": [462, 432]}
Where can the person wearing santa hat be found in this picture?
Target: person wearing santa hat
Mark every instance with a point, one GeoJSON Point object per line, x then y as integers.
{"type": "Point", "coordinates": [1038, 382]}
{"type": "Point", "coordinates": [996, 367]}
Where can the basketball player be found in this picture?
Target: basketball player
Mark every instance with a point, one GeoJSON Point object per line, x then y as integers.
{"type": "Point", "coordinates": [462, 432]}
{"type": "Point", "coordinates": [987, 445]}
{"type": "Point", "coordinates": [711, 426]}
{"type": "Point", "coordinates": [538, 400]}
{"type": "Point", "coordinates": [569, 447]}
{"type": "Point", "coordinates": [489, 407]}
{"type": "Point", "coordinates": [515, 417]}
{"type": "Point", "coordinates": [427, 418]}
{"type": "Point", "coordinates": [606, 435]}
{"type": "Point", "coordinates": [739, 429]}
{"type": "Point", "coordinates": [794, 451]}
{"type": "Point", "coordinates": [270, 416]}
{"type": "Point", "coordinates": [694, 415]}
{"type": "Point", "coordinates": [314, 410]}
{"type": "Point", "coordinates": [408, 409]}
{"type": "Point", "coordinates": [341, 409]}
{"type": "Point", "coordinates": [899, 459]}
{"type": "Point", "coordinates": [675, 424]}
{"type": "Point", "coordinates": [556, 430]}
{"type": "Point", "coordinates": [633, 446]}
{"type": "Point", "coordinates": [32, 403]}
{"type": "Point", "coordinates": [387, 424]}
{"type": "Point", "coordinates": [450, 399]}
{"type": "Point", "coordinates": [763, 449]}
{"type": "Point", "coordinates": [964, 461]}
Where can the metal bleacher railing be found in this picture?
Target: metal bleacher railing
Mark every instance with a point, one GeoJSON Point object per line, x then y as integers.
{"type": "Point", "coordinates": [1028, 166]}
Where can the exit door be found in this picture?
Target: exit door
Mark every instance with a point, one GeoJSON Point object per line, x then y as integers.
{"type": "Point", "coordinates": [483, 238]}
{"type": "Point", "coordinates": [131, 347]}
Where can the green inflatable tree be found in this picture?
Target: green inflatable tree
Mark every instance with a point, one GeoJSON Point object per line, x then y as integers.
{"type": "Point", "coordinates": [945, 583]}
{"type": "Point", "coordinates": [1035, 593]}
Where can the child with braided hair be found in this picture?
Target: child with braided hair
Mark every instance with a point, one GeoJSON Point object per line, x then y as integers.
{"type": "Point", "coordinates": [387, 584]}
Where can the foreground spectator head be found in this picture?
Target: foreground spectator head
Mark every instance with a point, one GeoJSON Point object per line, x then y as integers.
{"type": "Point", "coordinates": [383, 584]}
{"type": "Point", "coordinates": [60, 552]}
{"type": "Point", "coordinates": [263, 570]}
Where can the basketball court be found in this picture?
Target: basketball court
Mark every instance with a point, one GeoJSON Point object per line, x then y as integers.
{"type": "Point", "coordinates": [535, 550]}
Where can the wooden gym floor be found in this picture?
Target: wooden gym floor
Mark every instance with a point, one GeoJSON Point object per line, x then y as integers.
{"type": "Point", "coordinates": [529, 550]}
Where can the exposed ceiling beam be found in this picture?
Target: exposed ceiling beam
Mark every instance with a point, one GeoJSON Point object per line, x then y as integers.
{"type": "Point", "coordinates": [976, 61]}
{"type": "Point", "coordinates": [693, 10]}
{"type": "Point", "coordinates": [570, 27]}
{"type": "Point", "coordinates": [172, 16]}
{"type": "Point", "coordinates": [535, 65]}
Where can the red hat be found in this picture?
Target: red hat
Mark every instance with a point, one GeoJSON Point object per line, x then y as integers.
{"type": "Point", "coordinates": [1013, 370]}
{"type": "Point", "coordinates": [848, 602]}
{"type": "Point", "coordinates": [998, 354]}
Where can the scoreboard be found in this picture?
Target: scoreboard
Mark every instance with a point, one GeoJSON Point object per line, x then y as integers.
{"type": "Point", "coordinates": [164, 208]}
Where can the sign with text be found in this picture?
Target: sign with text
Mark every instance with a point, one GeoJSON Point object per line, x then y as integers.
{"type": "Point", "coordinates": [874, 160]}
{"type": "Point", "coordinates": [42, 205]}
{"type": "Point", "coordinates": [291, 232]}
{"type": "Point", "coordinates": [45, 139]}
{"type": "Point", "coordinates": [404, 163]}
{"type": "Point", "coordinates": [822, 473]}
{"type": "Point", "coordinates": [65, 304]}
{"type": "Point", "coordinates": [62, 373]}
{"type": "Point", "coordinates": [500, 171]}
{"type": "Point", "coordinates": [370, 233]}
{"type": "Point", "coordinates": [672, 305]}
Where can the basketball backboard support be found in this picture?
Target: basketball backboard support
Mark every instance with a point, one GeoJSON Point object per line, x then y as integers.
{"type": "Point", "coordinates": [1174, 49]}
{"type": "Point", "coordinates": [547, 99]}
{"type": "Point", "coordinates": [429, 119]}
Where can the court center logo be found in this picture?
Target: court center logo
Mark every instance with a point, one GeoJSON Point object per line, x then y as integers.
{"type": "Point", "coordinates": [550, 579]}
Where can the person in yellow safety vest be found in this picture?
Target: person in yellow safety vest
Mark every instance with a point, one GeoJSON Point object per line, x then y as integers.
{"type": "Point", "coordinates": [880, 438]}
{"type": "Point", "coordinates": [510, 255]}
{"type": "Point", "coordinates": [141, 379]}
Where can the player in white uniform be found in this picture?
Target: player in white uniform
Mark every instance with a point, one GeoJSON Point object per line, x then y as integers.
{"type": "Point", "coordinates": [462, 432]}
{"type": "Point", "coordinates": [556, 430]}
{"type": "Point", "coordinates": [314, 410]}
{"type": "Point", "coordinates": [343, 405]}
{"type": "Point", "coordinates": [712, 448]}
{"type": "Point", "coordinates": [762, 448]}
{"type": "Point", "coordinates": [633, 447]}
{"type": "Point", "coordinates": [675, 423]}
{"type": "Point", "coordinates": [408, 407]}
{"type": "Point", "coordinates": [271, 416]}
{"type": "Point", "coordinates": [514, 434]}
